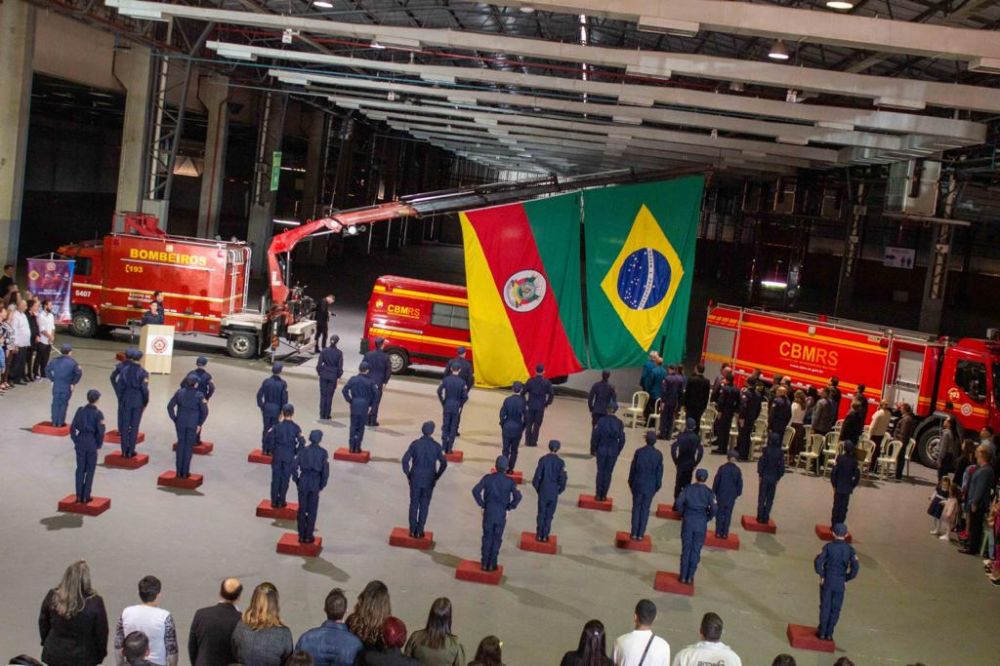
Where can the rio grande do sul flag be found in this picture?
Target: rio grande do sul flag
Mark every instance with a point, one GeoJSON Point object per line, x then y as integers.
{"type": "Point", "coordinates": [640, 243]}
{"type": "Point", "coordinates": [522, 271]}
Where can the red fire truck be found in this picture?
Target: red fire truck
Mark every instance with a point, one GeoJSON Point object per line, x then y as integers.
{"type": "Point", "coordinates": [422, 322]}
{"type": "Point", "coordinates": [936, 376]}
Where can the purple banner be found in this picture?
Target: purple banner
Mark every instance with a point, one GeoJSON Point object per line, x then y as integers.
{"type": "Point", "coordinates": [52, 280]}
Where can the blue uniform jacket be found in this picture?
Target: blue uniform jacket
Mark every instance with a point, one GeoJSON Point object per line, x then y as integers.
{"type": "Point", "coordinates": [654, 382]}
{"type": "Point", "coordinates": [452, 392]}
{"type": "Point", "coordinates": [837, 563]}
{"type": "Point", "coordinates": [538, 392]}
{"type": "Point", "coordinates": [780, 415]}
{"type": "Point", "coordinates": [696, 504]}
{"type": "Point", "coordinates": [204, 382]}
{"type": "Point", "coordinates": [64, 372]}
{"type": "Point", "coordinates": [378, 364]}
{"type": "Point", "coordinates": [729, 399]}
{"type": "Point", "coordinates": [671, 389]}
{"type": "Point", "coordinates": [87, 429]}
{"type": "Point", "coordinates": [646, 473]}
{"type": "Point", "coordinates": [512, 415]}
{"type": "Point", "coordinates": [609, 433]}
{"type": "Point", "coordinates": [285, 440]}
{"type": "Point", "coordinates": [187, 407]}
{"type": "Point", "coordinates": [750, 402]}
{"type": "Point", "coordinates": [550, 476]}
{"type": "Point", "coordinates": [771, 466]}
{"type": "Point", "coordinates": [359, 392]}
{"type": "Point", "coordinates": [424, 462]}
{"type": "Point", "coordinates": [687, 451]}
{"type": "Point", "coordinates": [601, 395]}
{"type": "Point", "coordinates": [728, 482]}
{"type": "Point", "coordinates": [150, 318]}
{"type": "Point", "coordinates": [845, 475]}
{"type": "Point", "coordinates": [331, 364]}
{"type": "Point", "coordinates": [496, 494]}
{"type": "Point", "coordinates": [272, 395]}
{"type": "Point", "coordinates": [133, 384]}
{"type": "Point", "coordinates": [115, 374]}
{"type": "Point", "coordinates": [311, 467]}
{"type": "Point", "coordinates": [464, 370]}
{"type": "Point", "coordinates": [853, 426]}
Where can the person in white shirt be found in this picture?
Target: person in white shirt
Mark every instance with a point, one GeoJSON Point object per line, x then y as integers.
{"type": "Point", "coordinates": [710, 649]}
{"type": "Point", "coordinates": [642, 647]}
{"type": "Point", "coordinates": [46, 334]}
{"type": "Point", "coordinates": [22, 343]}
{"type": "Point", "coordinates": [150, 619]}
{"type": "Point", "coordinates": [876, 431]}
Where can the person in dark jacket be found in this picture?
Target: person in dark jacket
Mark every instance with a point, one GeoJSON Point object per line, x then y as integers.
{"type": "Point", "coordinates": [823, 414]}
{"type": "Point", "coordinates": [833, 392]}
{"type": "Point", "coordinates": [132, 388]}
{"type": "Point", "coordinates": [977, 498]}
{"type": "Point", "coordinates": [844, 477]}
{"type": "Point", "coordinates": [836, 564]}
{"type": "Point", "coordinates": [905, 427]}
{"type": "Point", "coordinates": [686, 452]}
{"type": "Point", "coordinates": [609, 436]}
{"type": "Point", "coordinates": [188, 409]}
{"type": "Point", "coordinates": [696, 506]}
{"type": "Point", "coordinates": [496, 494]}
{"type": "Point", "coordinates": [780, 413]}
{"type": "Point", "coordinates": [453, 393]}
{"type": "Point", "coordinates": [330, 369]}
{"type": "Point", "coordinates": [465, 372]}
{"type": "Point", "coordinates": [696, 394]}
{"type": "Point", "coordinates": [512, 423]}
{"type": "Point", "coordinates": [73, 622]}
{"type": "Point", "coordinates": [423, 465]}
{"type": "Point", "coordinates": [671, 393]}
{"type": "Point", "coordinates": [311, 472]}
{"type": "Point", "coordinates": [332, 643]}
{"type": "Point", "coordinates": [64, 373]}
{"type": "Point", "coordinates": [728, 402]}
{"type": "Point", "coordinates": [727, 486]}
{"type": "Point", "coordinates": [154, 315]}
{"type": "Point", "coordinates": [324, 310]}
{"type": "Point", "coordinates": [601, 395]}
{"type": "Point", "coordinates": [750, 406]}
{"type": "Point", "coordinates": [645, 478]}
{"type": "Point", "coordinates": [770, 469]}
{"type": "Point", "coordinates": [210, 638]}
{"type": "Point", "coordinates": [87, 433]}
{"type": "Point", "coordinates": [359, 392]}
{"type": "Point", "coordinates": [391, 653]}
{"type": "Point", "coordinates": [538, 396]}
{"type": "Point", "coordinates": [381, 371]}
{"type": "Point", "coordinates": [271, 397]}
{"type": "Point", "coordinates": [285, 440]}
{"type": "Point", "coordinates": [853, 426]}
{"type": "Point", "coordinates": [203, 382]}
{"type": "Point", "coordinates": [549, 482]}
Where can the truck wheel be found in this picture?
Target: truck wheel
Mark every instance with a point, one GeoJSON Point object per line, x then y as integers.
{"type": "Point", "coordinates": [242, 345]}
{"type": "Point", "coordinates": [398, 361]}
{"type": "Point", "coordinates": [84, 323]}
{"type": "Point", "coordinates": [929, 446]}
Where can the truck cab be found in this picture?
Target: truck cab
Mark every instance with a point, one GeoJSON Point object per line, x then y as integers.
{"type": "Point", "coordinates": [87, 287]}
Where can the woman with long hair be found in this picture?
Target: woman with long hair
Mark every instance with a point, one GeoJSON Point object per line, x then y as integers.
{"type": "Point", "coordinates": [489, 652]}
{"type": "Point", "coordinates": [592, 650]}
{"type": "Point", "coordinates": [435, 645]}
{"type": "Point", "coordinates": [260, 637]}
{"type": "Point", "coordinates": [369, 614]}
{"type": "Point", "coordinates": [73, 622]}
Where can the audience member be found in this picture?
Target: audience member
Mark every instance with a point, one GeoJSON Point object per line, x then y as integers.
{"type": "Point", "coordinates": [73, 622]}
{"type": "Point", "coordinates": [299, 658]}
{"type": "Point", "coordinates": [877, 428]}
{"type": "Point", "coordinates": [135, 649]}
{"type": "Point", "coordinates": [7, 279]}
{"type": "Point", "coordinates": [642, 646]}
{"type": "Point", "coordinates": [46, 336]}
{"type": "Point", "coordinates": [783, 660]}
{"type": "Point", "coordinates": [260, 638]}
{"type": "Point", "coordinates": [489, 652]}
{"type": "Point", "coordinates": [150, 619]}
{"type": "Point", "coordinates": [978, 497]}
{"type": "Point", "coordinates": [710, 649]}
{"type": "Point", "coordinates": [331, 643]}
{"type": "Point", "coordinates": [22, 343]}
{"type": "Point", "coordinates": [435, 645]}
{"type": "Point", "coordinates": [843, 661]}
{"type": "Point", "coordinates": [393, 638]}
{"type": "Point", "coordinates": [592, 650]}
{"type": "Point", "coordinates": [369, 614]}
{"type": "Point", "coordinates": [6, 348]}
{"type": "Point", "coordinates": [24, 660]}
{"type": "Point", "coordinates": [211, 638]}
{"type": "Point", "coordinates": [29, 361]}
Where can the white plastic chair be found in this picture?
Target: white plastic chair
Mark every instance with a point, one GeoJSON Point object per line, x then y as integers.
{"type": "Point", "coordinates": [653, 420]}
{"type": "Point", "coordinates": [887, 461]}
{"type": "Point", "coordinates": [786, 439]}
{"type": "Point", "coordinates": [639, 400]}
{"type": "Point", "coordinates": [814, 444]}
{"type": "Point", "coordinates": [757, 438]}
{"type": "Point", "coordinates": [831, 460]}
{"type": "Point", "coordinates": [909, 452]}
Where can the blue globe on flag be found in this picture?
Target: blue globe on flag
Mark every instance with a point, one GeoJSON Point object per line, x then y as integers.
{"type": "Point", "coordinates": [644, 279]}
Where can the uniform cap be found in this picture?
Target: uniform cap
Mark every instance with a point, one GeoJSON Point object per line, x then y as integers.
{"type": "Point", "coordinates": [840, 529]}
{"type": "Point", "coordinates": [201, 361]}
{"type": "Point", "coordinates": [364, 366]}
{"type": "Point", "coordinates": [605, 374]}
{"type": "Point", "coordinates": [690, 423]}
{"type": "Point", "coordinates": [277, 368]}
{"type": "Point", "coordinates": [650, 437]}
{"type": "Point", "coordinates": [701, 474]}
{"type": "Point", "coordinates": [334, 339]}
{"type": "Point", "coordinates": [502, 464]}
{"type": "Point", "coordinates": [379, 342]}
{"type": "Point", "coordinates": [539, 368]}
{"type": "Point", "coordinates": [460, 350]}
{"type": "Point", "coordinates": [66, 348]}
{"type": "Point", "coordinates": [93, 395]}
{"type": "Point", "coordinates": [427, 428]}
{"type": "Point", "coordinates": [554, 445]}
{"type": "Point", "coordinates": [517, 387]}
{"type": "Point", "coordinates": [732, 454]}
{"type": "Point", "coordinates": [137, 355]}
{"type": "Point", "coordinates": [130, 353]}
{"type": "Point", "coordinates": [315, 436]}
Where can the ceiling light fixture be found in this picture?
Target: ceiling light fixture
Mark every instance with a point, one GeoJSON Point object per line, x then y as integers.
{"type": "Point", "coordinates": [778, 51]}
{"type": "Point", "coordinates": [840, 4]}
{"type": "Point", "coordinates": [527, 9]}
{"type": "Point", "coordinates": [322, 4]}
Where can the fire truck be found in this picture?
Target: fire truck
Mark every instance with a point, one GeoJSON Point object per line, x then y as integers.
{"type": "Point", "coordinates": [936, 376]}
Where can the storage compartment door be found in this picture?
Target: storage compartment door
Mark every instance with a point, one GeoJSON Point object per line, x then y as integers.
{"type": "Point", "coordinates": [905, 386]}
{"type": "Point", "coordinates": [719, 343]}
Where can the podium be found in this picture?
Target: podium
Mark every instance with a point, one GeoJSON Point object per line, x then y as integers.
{"type": "Point", "coordinates": [157, 345]}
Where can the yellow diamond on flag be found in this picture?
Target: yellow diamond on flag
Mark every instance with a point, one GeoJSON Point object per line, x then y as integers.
{"type": "Point", "coordinates": [643, 279]}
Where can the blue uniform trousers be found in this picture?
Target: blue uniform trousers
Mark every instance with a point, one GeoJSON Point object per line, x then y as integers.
{"type": "Point", "coordinates": [667, 417]}
{"type": "Point", "coordinates": [373, 409]}
{"type": "Point", "coordinates": [723, 516]}
{"type": "Point", "coordinates": [510, 447]}
{"type": "Point", "coordinates": [133, 415]}
{"type": "Point", "coordinates": [449, 428]}
{"type": "Point", "coordinates": [831, 598]}
{"type": "Point", "coordinates": [723, 423]}
{"type": "Point", "coordinates": [683, 480]}
{"type": "Point", "coordinates": [533, 424]}
{"type": "Point", "coordinates": [308, 505]}
{"type": "Point", "coordinates": [605, 467]}
{"type": "Point", "coordinates": [60, 401]}
{"type": "Point", "coordinates": [743, 441]}
{"type": "Point", "coordinates": [420, 503]}
{"type": "Point", "coordinates": [269, 422]}
{"type": "Point", "coordinates": [840, 502]}
{"type": "Point", "coordinates": [187, 436]}
{"type": "Point", "coordinates": [640, 512]}
{"type": "Point", "coordinates": [327, 387]}
{"type": "Point", "coordinates": [546, 511]}
{"type": "Point", "coordinates": [357, 433]}
{"type": "Point", "coordinates": [492, 538]}
{"type": "Point", "coordinates": [765, 500]}
{"type": "Point", "coordinates": [281, 473]}
{"type": "Point", "coordinates": [86, 464]}
{"type": "Point", "coordinates": [691, 542]}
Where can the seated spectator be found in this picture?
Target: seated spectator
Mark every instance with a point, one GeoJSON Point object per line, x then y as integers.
{"type": "Point", "coordinates": [24, 660]}
{"type": "Point", "coordinates": [73, 623]}
{"type": "Point", "coordinates": [299, 658]}
{"type": "Point", "coordinates": [260, 638]}
{"type": "Point", "coordinates": [710, 649]}
{"type": "Point", "coordinates": [592, 650]}
{"type": "Point", "coordinates": [783, 660]}
{"type": "Point", "coordinates": [489, 652]}
{"type": "Point", "coordinates": [641, 646]}
{"type": "Point", "coordinates": [394, 638]}
{"type": "Point", "coordinates": [435, 645]}
{"type": "Point", "coordinates": [369, 614]}
{"type": "Point", "coordinates": [150, 619]}
{"type": "Point", "coordinates": [843, 661]}
{"type": "Point", "coordinates": [331, 643]}
{"type": "Point", "coordinates": [135, 649]}
{"type": "Point", "coordinates": [211, 639]}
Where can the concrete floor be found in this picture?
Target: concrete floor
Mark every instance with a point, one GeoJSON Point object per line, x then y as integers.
{"type": "Point", "coordinates": [915, 600]}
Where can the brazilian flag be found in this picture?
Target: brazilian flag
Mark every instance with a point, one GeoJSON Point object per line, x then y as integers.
{"type": "Point", "coordinates": [639, 247]}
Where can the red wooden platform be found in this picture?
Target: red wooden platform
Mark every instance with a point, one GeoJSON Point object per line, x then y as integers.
{"type": "Point", "coordinates": [667, 581]}
{"type": "Point", "coordinates": [289, 544]}
{"type": "Point", "coordinates": [667, 511]}
{"type": "Point", "coordinates": [203, 449]}
{"type": "Point", "coordinates": [346, 455]}
{"type": "Point", "coordinates": [288, 512]}
{"type": "Point", "coordinates": [116, 459]}
{"type": "Point", "coordinates": [590, 502]}
{"type": "Point", "coordinates": [257, 456]}
{"type": "Point", "coordinates": [826, 534]}
{"type": "Point", "coordinates": [46, 428]}
{"type": "Point", "coordinates": [624, 541]}
{"type": "Point", "coordinates": [472, 571]}
{"type": "Point", "coordinates": [400, 538]}
{"type": "Point", "coordinates": [731, 542]}
{"type": "Point", "coordinates": [750, 524]}
{"type": "Point", "coordinates": [531, 544]}
{"type": "Point", "coordinates": [170, 480]}
{"type": "Point", "coordinates": [95, 507]}
{"type": "Point", "coordinates": [805, 638]}
{"type": "Point", "coordinates": [455, 456]}
{"type": "Point", "coordinates": [516, 476]}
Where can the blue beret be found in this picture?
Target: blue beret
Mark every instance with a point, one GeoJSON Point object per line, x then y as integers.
{"type": "Point", "coordinates": [517, 387]}
{"type": "Point", "coordinates": [502, 464]}
{"type": "Point", "coordinates": [364, 366]}
{"type": "Point", "coordinates": [650, 437]}
{"type": "Point", "coordinates": [554, 445]}
{"type": "Point", "coordinates": [539, 368]}
{"type": "Point", "coordinates": [701, 474]}
{"type": "Point", "coordinates": [66, 348]}
{"type": "Point", "coordinates": [427, 428]}
{"type": "Point", "coordinates": [277, 368]}
{"type": "Point", "coordinates": [315, 436]}
{"type": "Point", "coordinates": [379, 342]}
{"type": "Point", "coordinates": [201, 361]}
{"type": "Point", "coordinates": [840, 529]}
{"type": "Point", "coordinates": [691, 425]}
{"type": "Point", "coordinates": [460, 350]}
